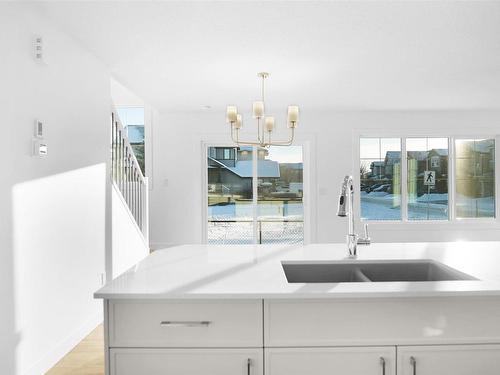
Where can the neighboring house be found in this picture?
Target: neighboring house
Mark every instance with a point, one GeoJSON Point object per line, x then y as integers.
{"type": "Point", "coordinates": [378, 169]}
{"type": "Point", "coordinates": [391, 159]}
{"type": "Point", "coordinates": [230, 170]}
{"type": "Point", "coordinates": [438, 161]}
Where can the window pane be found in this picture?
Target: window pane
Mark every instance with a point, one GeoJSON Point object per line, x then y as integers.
{"type": "Point", "coordinates": [380, 177]}
{"type": "Point", "coordinates": [132, 119]}
{"type": "Point", "coordinates": [427, 178]}
{"type": "Point", "coordinates": [280, 200]}
{"type": "Point", "coordinates": [369, 148]}
{"type": "Point", "coordinates": [475, 178]}
{"type": "Point", "coordinates": [230, 215]}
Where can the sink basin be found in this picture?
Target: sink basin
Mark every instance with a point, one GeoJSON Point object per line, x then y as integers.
{"type": "Point", "coordinates": [347, 271]}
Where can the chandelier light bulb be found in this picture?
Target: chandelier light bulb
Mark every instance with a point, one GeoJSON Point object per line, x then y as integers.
{"type": "Point", "coordinates": [269, 123]}
{"type": "Point", "coordinates": [293, 116]}
{"type": "Point", "coordinates": [258, 109]}
{"type": "Point", "coordinates": [239, 122]}
{"type": "Point", "coordinates": [231, 114]}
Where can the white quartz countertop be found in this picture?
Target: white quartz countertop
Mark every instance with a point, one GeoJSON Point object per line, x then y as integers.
{"type": "Point", "coordinates": [248, 271]}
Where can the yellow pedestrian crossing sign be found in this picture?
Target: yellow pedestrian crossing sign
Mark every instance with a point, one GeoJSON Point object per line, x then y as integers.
{"type": "Point", "coordinates": [430, 178]}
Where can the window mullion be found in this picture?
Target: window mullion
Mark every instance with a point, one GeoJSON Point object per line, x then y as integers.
{"type": "Point", "coordinates": [255, 194]}
{"type": "Point", "coordinates": [451, 179]}
{"type": "Point", "coordinates": [404, 181]}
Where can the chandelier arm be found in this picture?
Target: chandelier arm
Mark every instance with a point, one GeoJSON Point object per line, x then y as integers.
{"type": "Point", "coordinates": [247, 143]}
{"type": "Point", "coordinates": [261, 140]}
{"type": "Point", "coordinates": [262, 135]}
{"type": "Point", "coordinates": [244, 143]}
{"type": "Point", "coordinates": [283, 143]}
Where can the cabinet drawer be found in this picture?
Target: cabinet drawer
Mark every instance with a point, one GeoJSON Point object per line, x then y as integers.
{"type": "Point", "coordinates": [449, 360]}
{"type": "Point", "coordinates": [185, 324]}
{"type": "Point", "coordinates": [186, 361]}
{"type": "Point", "coordinates": [329, 361]}
{"type": "Point", "coordinates": [394, 321]}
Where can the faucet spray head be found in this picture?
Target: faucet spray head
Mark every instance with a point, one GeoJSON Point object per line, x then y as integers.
{"type": "Point", "coordinates": [342, 204]}
{"type": "Point", "coordinates": [341, 211]}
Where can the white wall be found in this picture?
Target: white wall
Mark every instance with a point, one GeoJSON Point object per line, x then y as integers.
{"type": "Point", "coordinates": [129, 246]}
{"type": "Point", "coordinates": [53, 209]}
{"type": "Point", "coordinates": [176, 201]}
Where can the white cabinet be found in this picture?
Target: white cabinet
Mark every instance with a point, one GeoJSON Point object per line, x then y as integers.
{"type": "Point", "coordinates": [369, 321]}
{"type": "Point", "coordinates": [128, 361]}
{"type": "Point", "coordinates": [449, 360]}
{"type": "Point", "coordinates": [331, 361]}
{"type": "Point", "coordinates": [181, 324]}
{"type": "Point", "coordinates": [445, 336]}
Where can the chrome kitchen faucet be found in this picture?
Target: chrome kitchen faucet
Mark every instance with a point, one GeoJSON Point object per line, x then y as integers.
{"type": "Point", "coordinates": [346, 202]}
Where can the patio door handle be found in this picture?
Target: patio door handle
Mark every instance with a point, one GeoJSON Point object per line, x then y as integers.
{"type": "Point", "coordinates": [413, 362]}
{"type": "Point", "coordinates": [382, 363]}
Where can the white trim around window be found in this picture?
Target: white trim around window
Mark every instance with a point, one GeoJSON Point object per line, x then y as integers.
{"type": "Point", "coordinates": [308, 175]}
{"type": "Point", "coordinates": [421, 225]}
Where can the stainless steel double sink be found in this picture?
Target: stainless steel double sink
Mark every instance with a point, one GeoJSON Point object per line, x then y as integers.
{"type": "Point", "coordinates": [346, 271]}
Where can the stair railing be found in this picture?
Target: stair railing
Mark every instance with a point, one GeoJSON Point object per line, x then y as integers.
{"type": "Point", "coordinates": [127, 175]}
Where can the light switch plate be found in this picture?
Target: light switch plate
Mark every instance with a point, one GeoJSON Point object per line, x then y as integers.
{"type": "Point", "coordinates": [40, 148]}
{"type": "Point", "coordinates": [38, 130]}
{"type": "Point", "coordinates": [38, 44]}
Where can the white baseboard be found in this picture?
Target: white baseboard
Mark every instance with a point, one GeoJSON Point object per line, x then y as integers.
{"type": "Point", "coordinates": [55, 354]}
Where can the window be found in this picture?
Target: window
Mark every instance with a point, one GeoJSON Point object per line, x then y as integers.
{"type": "Point", "coordinates": [247, 207]}
{"type": "Point", "coordinates": [380, 176]}
{"type": "Point", "coordinates": [132, 119]}
{"type": "Point", "coordinates": [475, 178]}
{"type": "Point", "coordinates": [427, 160]}
{"type": "Point", "coordinates": [431, 188]}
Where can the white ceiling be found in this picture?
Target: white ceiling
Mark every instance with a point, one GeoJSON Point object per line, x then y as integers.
{"type": "Point", "coordinates": [321, 55]}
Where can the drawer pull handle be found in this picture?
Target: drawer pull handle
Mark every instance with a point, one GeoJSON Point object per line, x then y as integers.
{"type": "Point", "coordinates": [413, 362]}
{"type": "Point", "coordinates": [382, 363]}
{"type": "Point", "coordinates": [172, 323]}
{"type": "Point", "coordinates": [249, 364]}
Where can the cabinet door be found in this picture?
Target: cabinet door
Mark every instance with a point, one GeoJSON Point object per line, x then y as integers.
{"type": "Point", "coordinates": [449, 360]}
{"type": "Point", "coordinates": [186, 361]}
{"type": "Point", "coordinates": [331, 361]}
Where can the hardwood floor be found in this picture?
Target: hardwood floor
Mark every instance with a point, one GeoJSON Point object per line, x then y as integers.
{"type": "Point", "coordinates": [87, 358]}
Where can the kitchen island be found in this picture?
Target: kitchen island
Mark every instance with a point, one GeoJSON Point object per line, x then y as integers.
{"type": "Point", "coordinates": [200, 309]}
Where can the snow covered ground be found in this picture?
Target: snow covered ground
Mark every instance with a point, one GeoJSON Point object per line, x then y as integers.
{"type": "Point", "coordinates": [244, 211]}
{"type": "Point", "coordinates": [232, 223]}
{"type": "Point", "coordinates": [434, 206]}
{"type": "Point", "coordinates": [242, 232]}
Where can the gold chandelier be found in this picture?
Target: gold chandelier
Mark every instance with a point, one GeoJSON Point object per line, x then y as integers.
{"type": "Point", "coordinates": [265, 130]}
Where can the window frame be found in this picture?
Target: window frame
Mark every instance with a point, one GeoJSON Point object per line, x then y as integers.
{"type": "Point", "coordinates": [149, 119]}
{"type": "Point", "coordinates": [453, 221]}
{"type": "Point", "coordinates": [307, 199]}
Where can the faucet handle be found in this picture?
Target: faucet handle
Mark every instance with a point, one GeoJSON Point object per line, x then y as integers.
{"type": "Point", "coordinates": [366, 239]}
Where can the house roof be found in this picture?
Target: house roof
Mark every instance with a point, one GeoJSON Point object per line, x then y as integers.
{"type": "Point", "coordinates": [440, 151]}
{"type": "Point", "coordinates": [244, 168]}
{"type": "Point", "coordinates": [419, 155]}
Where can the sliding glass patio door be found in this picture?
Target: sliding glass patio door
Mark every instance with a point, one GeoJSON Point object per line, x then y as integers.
{"type": "Point", "coordinates": [255, 195]}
